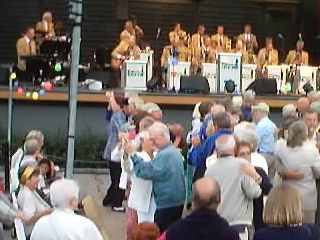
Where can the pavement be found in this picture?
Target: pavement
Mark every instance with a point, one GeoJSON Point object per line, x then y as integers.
{"type": "Point", "coordinates": [96, 186]}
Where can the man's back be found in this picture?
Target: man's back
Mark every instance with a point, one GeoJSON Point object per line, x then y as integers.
{"type": "Point", "coordinates": [202, 224]}
{"type": "Point", "coordinates": [65, 225]}
{"type": "Point", "coordinates": [238, 190]}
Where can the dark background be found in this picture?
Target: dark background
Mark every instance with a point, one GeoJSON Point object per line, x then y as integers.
{"type": "Point", "coordinates": [103, 20]}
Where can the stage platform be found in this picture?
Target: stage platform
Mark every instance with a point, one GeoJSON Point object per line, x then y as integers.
{"type": "Point", "coordinates": [60, 95]}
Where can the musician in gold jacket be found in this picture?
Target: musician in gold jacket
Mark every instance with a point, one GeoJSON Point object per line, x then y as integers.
{"type": "Point", "coordinates": [249, 39]}
{"type": "Point", "coordinates": [26, 46]}
{"type": "Point", "coordinates": [240, 48]}
{"type": "Point", "coordinates": [126, 49]}
{"type": "Point", "coordinates": [197, 40]}
{"type": "Point", "coordinates": [298, 56]}
{"type": "Point", "coordinates": [183, 54]}
{"type": "Point", "coordinates": [127, 31]}
{"type": "Point", "coordinates": [267, 55]}
{"type": "Point", "coordinates": [178, 34]}
{"type": "Point", "coordinates": [222, 40]}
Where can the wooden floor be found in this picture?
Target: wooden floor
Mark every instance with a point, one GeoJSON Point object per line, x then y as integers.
{"type": "Point", "coordinates": [165, 98]}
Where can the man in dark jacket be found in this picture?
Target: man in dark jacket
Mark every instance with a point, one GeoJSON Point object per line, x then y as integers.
{"type": "Point", "coordinates": [204, 222]}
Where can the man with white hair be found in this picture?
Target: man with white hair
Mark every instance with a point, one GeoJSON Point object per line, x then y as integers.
{"type": "Point", "coordinates": [63, 223]}
{"type": "Point", "coordinates": [289, 110]}
{"type": "Point", "coordinates": [154, 110]}
{"type": "Point", "coordinates": [166, 173]}
{"type": "Point", "coordinates": [31, 153]}
{"type": "Point", "coordinates": [18, 156]}
{"type": "Point", "coordinates": [238, 189]}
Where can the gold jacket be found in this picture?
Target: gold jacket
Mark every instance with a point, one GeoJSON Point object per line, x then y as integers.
{"type": "Point", "coordinates": [264, 59]}
{"type": "Point", "coordinates": [225, 41]}
{"type": "Point", "coordinates": [24, 49]}
{"type": "Point", "coordinates": [294, 58]}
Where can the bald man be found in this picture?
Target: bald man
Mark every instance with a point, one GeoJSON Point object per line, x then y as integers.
{"type": "Point", "coordinates": [238, 189]}
{"type": "Point", "coordinates": [204, 222]}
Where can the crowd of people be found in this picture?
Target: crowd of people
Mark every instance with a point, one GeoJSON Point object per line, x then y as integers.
{"type": "Point", "coordinates": [234, 175]}
{"type": "Point", "coordinates": [42, 200]}
{"type": "Point", "coordinates": [240, 175]}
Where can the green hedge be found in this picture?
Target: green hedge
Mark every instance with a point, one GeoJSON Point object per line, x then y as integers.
{"type": "Point", "coordinates": [88, 147]}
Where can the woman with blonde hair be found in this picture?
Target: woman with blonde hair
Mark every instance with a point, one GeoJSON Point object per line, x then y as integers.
{"type": "Point", "coordinates": [283, 214]}
{"type": "Point", "coordinates": [30, 203]}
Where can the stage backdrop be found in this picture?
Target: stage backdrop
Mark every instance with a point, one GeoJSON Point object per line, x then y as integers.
{"type": "Point", "coordinates": [103, 19]}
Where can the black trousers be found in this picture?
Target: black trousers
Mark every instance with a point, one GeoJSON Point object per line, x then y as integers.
{"type": "Point", "coordinates": [167, 216]}
{"type": "Point", "coordinates": [115, 195]}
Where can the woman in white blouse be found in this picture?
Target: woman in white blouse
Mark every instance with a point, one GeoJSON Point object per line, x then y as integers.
{"type": "Point", "coordinates": [29, 201]}
{"type": "Point", "coordinates": [300, 155]}
{"type": "Point", "coordinates": [140, 197]}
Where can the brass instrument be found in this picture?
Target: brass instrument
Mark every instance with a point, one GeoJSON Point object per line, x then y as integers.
{"type": "Point", "coordinates": [228, 46]}
{"type": "Point", "coordinates": [298, 58]}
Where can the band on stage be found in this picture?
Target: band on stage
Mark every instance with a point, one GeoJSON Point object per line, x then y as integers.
{"type": "Point", "coordinates": [200, 47]}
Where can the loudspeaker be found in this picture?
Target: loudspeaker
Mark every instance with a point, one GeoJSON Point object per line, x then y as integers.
{"type": "Point", "coordinates": [263, 86]}
{"type": "Point", "coordinates": [106, 77]}
{"type": "Point", "coordinates": [194, 84]}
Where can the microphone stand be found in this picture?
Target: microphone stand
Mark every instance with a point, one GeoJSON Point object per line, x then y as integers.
{"type": "Point", "coordinates": [156, 83]}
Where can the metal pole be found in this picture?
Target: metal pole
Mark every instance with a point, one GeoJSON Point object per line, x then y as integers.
{"type": "Point", "coordinates": [9, 133]}
{"type": "Point", "coordinates": [73, 85]}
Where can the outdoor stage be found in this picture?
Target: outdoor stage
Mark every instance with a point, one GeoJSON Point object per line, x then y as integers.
{"type": "Point", "coordinates": [50, 112]}
{"type": "Point", "coordinates": [59, 95]}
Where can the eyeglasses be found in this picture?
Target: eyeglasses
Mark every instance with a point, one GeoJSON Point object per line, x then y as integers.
{"type": "Point", "coordinates": [242, 154]}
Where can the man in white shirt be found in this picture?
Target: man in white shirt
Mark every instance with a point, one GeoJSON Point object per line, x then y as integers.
{"type": "Point", "coordinates": [63, 223]}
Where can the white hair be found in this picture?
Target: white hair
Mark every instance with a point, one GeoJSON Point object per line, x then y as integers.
{"type": "Point", "coordinates": [36, 134]}
{"type": "Point", "coordinates": [246, 132]}
{"type": "Point", "coordinates": [137, 102]}
{"type": "Point", "coordinates": [237, 101]}
{"type": "Point", "coordinates": [289, 110]}
{"type": "Point", "coordinates": [160, 128]}
{"type": "Point", "coordinates": [217, 108]}
{"type": "Point", "coordinates": [31, 146]}
{"type": "Point", "coordinates": [62, 192]}
{"type": "Point", "coordinates": [225, 145]}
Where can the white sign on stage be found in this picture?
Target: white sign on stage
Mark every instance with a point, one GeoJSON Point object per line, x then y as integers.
{"type": "Point", "coordinates": [275, 71]}
{"type": "Point", "coordinates": [307, 74]}
{"type": "Point", "coordinates": [148, 56]}
{"type": "Point", "coordinates": [175, 71]}
{"type": "Point", "coordinates": [248, 75]}
{"type": "Point", "coordinates": [209, 71]}
{"type": "Point", "coordinates": [229, 68]}
{"type": "Point", "coordinates": [134, 75]}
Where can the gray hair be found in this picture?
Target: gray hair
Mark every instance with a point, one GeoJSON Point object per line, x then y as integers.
{"type": "Point", "coordinates": [249, 95]}
{"type": "Point", "coordinates": [225, 143]}
{"type": "Point", "coordinates": [36, 134]}
{"type": "Point", "coordinates": [297, 134]}
{"type": "Point", "coordinates": [160, 128]}
{"type": "Point", "coordinates": [31, 146]}
{"type": "Point", "coordinates": [289, 110]}
{"type": "Point", "coordinates": [62, 192]}
{"type": "Point", "coordinates": [246, 132]}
